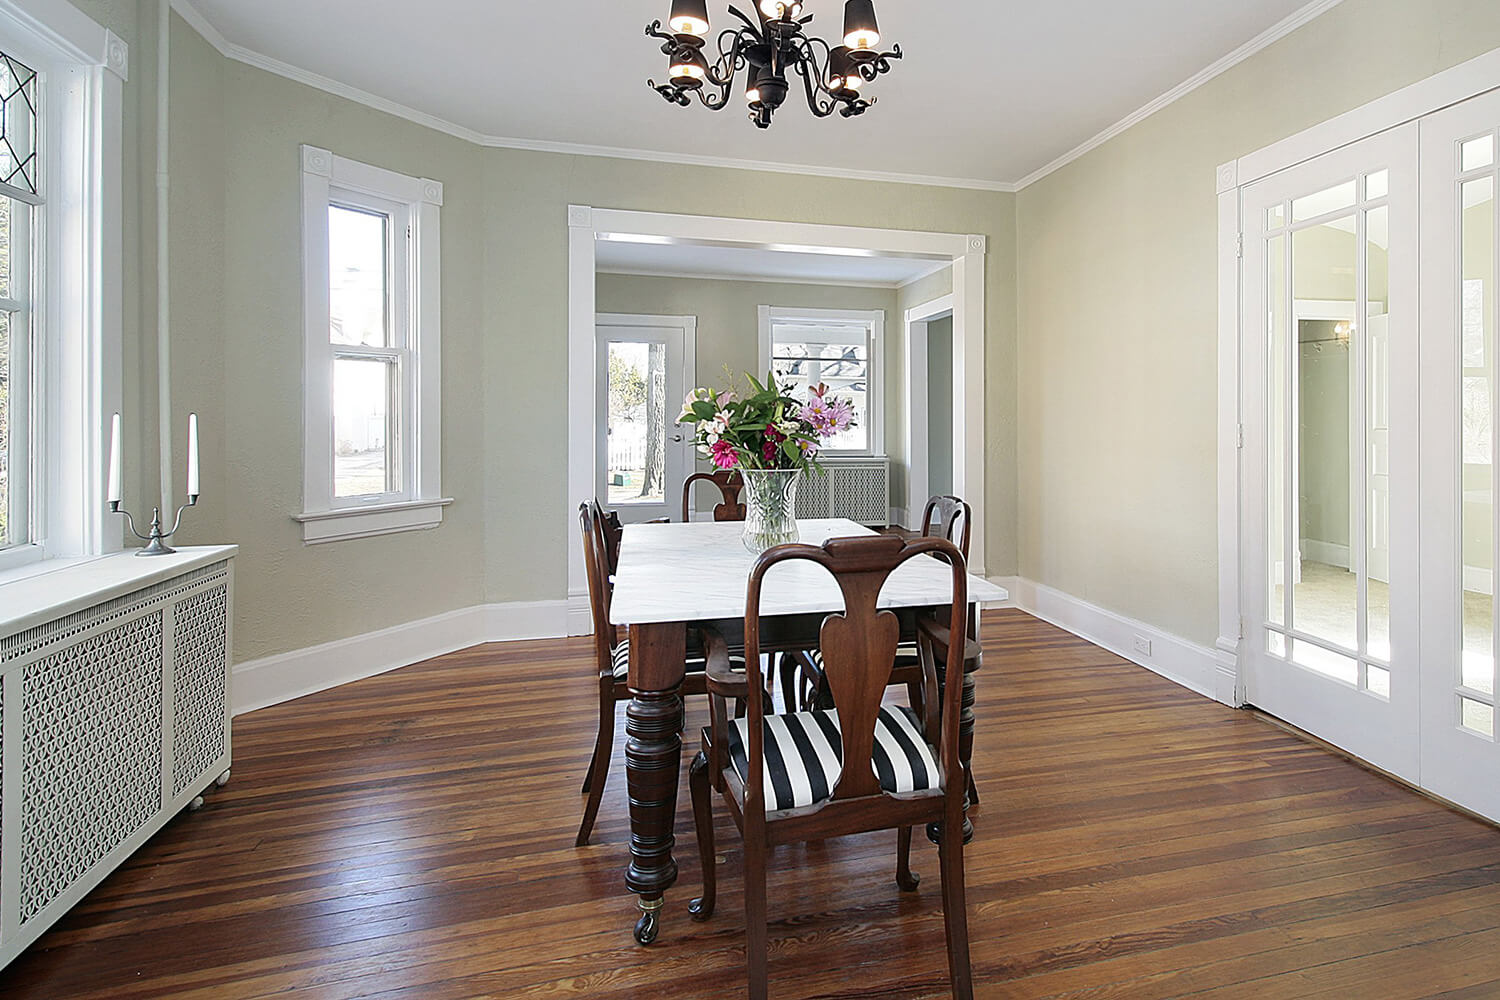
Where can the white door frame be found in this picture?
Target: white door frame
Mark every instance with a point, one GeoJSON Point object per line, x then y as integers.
{"type": "Point", "coordinates": [1461, 82]}
{"type": "Point", "coordinates": [918, 475]}
{"type": "Point", "coordinates": [587, 225]}
{"type": "Point", "coordinates": [689, 327]}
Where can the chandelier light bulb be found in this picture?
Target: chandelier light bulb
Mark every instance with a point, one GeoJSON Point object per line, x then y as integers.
{"type": "Point", "coordinates": [688, 69]}
{"type": "Point", "coordinates": [778, 9]}
{"type": "Point", "coordinates": [689, 17]}
{"type": "Point", "coordinates": [861, 31]}
{"type": "Point", "coordinates": [841, 72]}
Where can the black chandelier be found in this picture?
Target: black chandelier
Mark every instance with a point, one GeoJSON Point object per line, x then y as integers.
{"type": "Point", "coordinates": [771, 48]}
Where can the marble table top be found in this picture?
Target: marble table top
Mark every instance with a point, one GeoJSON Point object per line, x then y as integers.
{"type": "Point", "coordinates": [698, 572]}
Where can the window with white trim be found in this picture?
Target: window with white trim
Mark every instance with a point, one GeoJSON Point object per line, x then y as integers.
{"type": "Point", "coordinates": [61, 89]}
{"type": "Point", "coordinates": [839, 348]}
{"type": "Point", "coordinates": [372, 281]}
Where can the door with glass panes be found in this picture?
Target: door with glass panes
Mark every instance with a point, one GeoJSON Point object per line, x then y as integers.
{"type": "Point", "coordinates": [1330, 399]}
{"type": "Point", "coordinates": [1459, 537]}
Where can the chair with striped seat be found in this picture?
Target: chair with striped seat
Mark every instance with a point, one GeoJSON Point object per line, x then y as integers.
{"type": "Point", "coordinates": [944, 517]}
{"type": "Point", "coordinates": [854, 767]}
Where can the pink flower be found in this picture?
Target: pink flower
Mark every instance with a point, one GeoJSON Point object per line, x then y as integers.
{"type": "Point", "coordinates": [722, 454]}
{"type": "Point", "coordinates": [840, 416]}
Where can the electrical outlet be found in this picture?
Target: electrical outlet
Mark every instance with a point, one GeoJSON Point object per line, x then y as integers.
{"type": "Point", "coordinates": [1143, 645]}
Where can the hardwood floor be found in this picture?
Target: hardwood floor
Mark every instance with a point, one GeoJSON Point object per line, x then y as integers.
{"type": "Point", "coordinates": [410, 836]}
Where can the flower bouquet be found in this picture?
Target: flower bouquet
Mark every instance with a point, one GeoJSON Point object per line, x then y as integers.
{"type": "Point", "coordinates": [771, 438]}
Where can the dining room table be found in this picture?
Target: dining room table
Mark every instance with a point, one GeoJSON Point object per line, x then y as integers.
{"type": "Point", "coordinates": [673, 578]}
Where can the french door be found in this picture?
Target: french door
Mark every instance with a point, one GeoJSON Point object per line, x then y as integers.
{"type": "Point", "coordinates": [1331, 397]}
{"type": "Point", "coordinates": [1370, 538]}
{"type": "Point", "coordinates": [1460, 760]}
{"type": "Point", "coordinates": [643, 457]}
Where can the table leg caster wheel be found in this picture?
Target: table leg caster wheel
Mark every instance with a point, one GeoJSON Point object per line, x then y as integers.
{"type": "Point", "coordinates": [649, 925]}
{"type": "Point", "coordinates": [196, 804]}
{"type": "Point", "coordinates": [222, 779]}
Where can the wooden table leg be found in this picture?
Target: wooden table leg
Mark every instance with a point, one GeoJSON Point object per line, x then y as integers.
{"type": "Point", "coordinates": [653, 754]}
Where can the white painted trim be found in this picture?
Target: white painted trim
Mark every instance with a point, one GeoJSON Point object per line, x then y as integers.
{"type": "Point", "coordinates": [240, 53]}
{"type": "Point", "coordinates": [897, 517]}
{"type": "Point", "coordinates": [363, 522]}
{"type": "Point", "coordinates": [275, 679]}
{"type": "Point", "coordinates": [874, 320]}
{"type": "Point", "coordinates": [926, 274]}
{"type": "Point", "coordinates": [586, 225]}
{"type": "Point", "coordinates": [633, 272]}
{"type": "Point", "coordinates": [76, 35]}
{"type": "Point", "coordinates": [414, 204]}
{"type": "Point", "coordinates": [918, 473]}
{"type": "Point", "coordinates": [1269, 37]}
{"type": "Point", "coordinates": [1184, 663]}
{"type": "Point", "coordinates": [1327, 553]}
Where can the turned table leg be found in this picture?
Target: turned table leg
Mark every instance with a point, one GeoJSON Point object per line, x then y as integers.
{"type": "Point", "coordinates": [653, 752]}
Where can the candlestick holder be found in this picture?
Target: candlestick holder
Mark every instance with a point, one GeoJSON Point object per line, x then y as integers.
{"type": "Point", "coordinates": [156, 541]}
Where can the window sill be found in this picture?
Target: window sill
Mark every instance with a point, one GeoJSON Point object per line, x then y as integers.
{"type": "Point", "coordinates": [364, 522]}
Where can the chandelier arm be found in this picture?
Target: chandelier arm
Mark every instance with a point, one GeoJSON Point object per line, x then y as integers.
{"type": "Point", "coordinates": [872, 68]}
{"type": "Point", "coordinates": [821, 101]}
{"type": "Point", "coordinates": [754, 26]}
{"type": "Point", "coordinates": [731, 56]}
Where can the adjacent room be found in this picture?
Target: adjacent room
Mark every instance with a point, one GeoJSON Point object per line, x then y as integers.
{"type": "Point", "coordinates": [1006, 493]}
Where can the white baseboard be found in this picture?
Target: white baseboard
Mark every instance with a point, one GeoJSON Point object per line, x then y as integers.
{"type": "Point", "coordinates": [274, 679]}
{"type": "Point", "coordinates": [580, 615]}
{"type": "Point", "coordinates": [1327, 553]}
{"type": "Point", "coordinates": [1479, 581]}
{"type": "Point", "coordinates": [897, 517]}
{"type": "Point", "coordinates": [1178, 660]}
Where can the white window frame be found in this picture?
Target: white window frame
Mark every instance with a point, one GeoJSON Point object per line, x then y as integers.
{"type": "Point", "coordinates": [414, 207]}
{"type": "Point", "coordinates": [772, 317]}
{"type": "Point", "coordinates": [76, 294]}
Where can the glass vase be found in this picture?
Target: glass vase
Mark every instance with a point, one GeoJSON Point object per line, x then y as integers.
{"type": "Point", "coordinates": [770, 500]}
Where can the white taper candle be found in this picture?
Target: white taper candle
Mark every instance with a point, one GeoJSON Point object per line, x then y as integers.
{"type": "Point", "coordinates": [114, 459]}
{"type": "Point", "coordinates": [192, 454]}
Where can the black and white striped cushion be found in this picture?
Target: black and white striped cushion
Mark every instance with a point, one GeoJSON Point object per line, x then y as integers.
{"type": "Point", "coordinates": [620, 661]}
{"type": "Point", "coordinates": [803, 755]}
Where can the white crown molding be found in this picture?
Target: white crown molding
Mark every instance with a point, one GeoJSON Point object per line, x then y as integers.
{"type": "Point", "coordinates": [240, 53]}
{"type": "Point", "coordinates": [635, 272]}
{"type": "Point", "coordinates": [1270, 36]}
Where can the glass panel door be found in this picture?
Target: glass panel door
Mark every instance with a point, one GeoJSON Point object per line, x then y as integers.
{"type": "Point", "coordinates": [1331, 404]}
{"type": "Point", "coordinates": [1460, 275]}
{"type": "Point", "coordinates": [642, 455]}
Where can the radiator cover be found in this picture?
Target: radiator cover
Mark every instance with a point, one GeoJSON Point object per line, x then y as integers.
{"type": "Point", "coordinates": [112, 719]}
{"type": "Point", "coordinates": [855, 488]}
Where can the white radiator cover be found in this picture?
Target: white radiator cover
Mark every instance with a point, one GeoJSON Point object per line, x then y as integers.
{"type": "Point", "coordinates": [114, 715]}
{"type": "Point", "coordinates": [856, 488]}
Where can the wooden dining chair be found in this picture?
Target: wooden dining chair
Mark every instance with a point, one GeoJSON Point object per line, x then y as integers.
{"type": "Point", "coordinates": [601, 548]}
{"type": "Point", "coordinates": [946, 517]}
{"type": "Point", "coordinates": [729, 483]}
{"type": "Point", "coordinates": [855, 767]}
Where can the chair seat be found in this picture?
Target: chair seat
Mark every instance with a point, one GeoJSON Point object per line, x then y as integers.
{"type": "Point", "coordinates": [620, 661]}
{"type": "Point", "coordinates": [803, 751]}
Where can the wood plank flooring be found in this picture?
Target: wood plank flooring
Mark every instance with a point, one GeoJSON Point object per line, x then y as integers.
{"type": "Point", "coordinates": [409, 837]}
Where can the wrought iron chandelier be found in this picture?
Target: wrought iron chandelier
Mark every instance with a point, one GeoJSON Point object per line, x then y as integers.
{"type": "Point", "coordinates": [771, 48]}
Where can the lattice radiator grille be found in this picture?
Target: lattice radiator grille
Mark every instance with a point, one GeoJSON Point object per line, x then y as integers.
{"type": "Point", "coordinates": [120, 715]}
{"type": "Point", "coordinates": [91, 748]}
{"type": "Point", "coordinates": [855, 488]}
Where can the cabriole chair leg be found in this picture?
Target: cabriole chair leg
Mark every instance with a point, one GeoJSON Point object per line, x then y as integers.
{"type": "Point", "coordinates": [698, 781]}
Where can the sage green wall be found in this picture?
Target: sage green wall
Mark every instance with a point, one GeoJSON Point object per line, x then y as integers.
{"type": "Point", "coordinates": [728, 315]}
{"type": "Point", "coordinates": [1118, 308]}
{"type": "Point", "coordinates": [238, 340]}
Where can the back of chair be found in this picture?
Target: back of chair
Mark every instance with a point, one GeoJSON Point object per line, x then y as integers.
{"type": "Point", "coordinates": [948, 517]}
{"type": "Point", "coordinates": [592, 522]}
{"type": "Point", "coordinates": [858, 650]}
{"type": "Point", "coordinates": [729, 507]}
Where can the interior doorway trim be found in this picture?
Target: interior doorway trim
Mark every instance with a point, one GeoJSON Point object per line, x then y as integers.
{"type": "Point", "coordinates": [1459, 83]}
{"type": "Point", "coordinates": [587, 225]}
{"type": "Point", "coordinates": [918, 472]}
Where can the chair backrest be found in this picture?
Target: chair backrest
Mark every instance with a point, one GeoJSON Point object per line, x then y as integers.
{"type": "Point", "coordinates": [858, 648]}
{"type": "Point", "coordinates": [592, 522]}
{"type": "Point", "coordinates": [729, 507]}
{"type": "Point", "coordinates": [948, 517]}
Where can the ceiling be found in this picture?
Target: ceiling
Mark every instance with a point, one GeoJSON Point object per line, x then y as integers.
{"type": "Point", "coordinates": [987, 94]}
{"type": "Point", "coordinates": [714, 261]}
